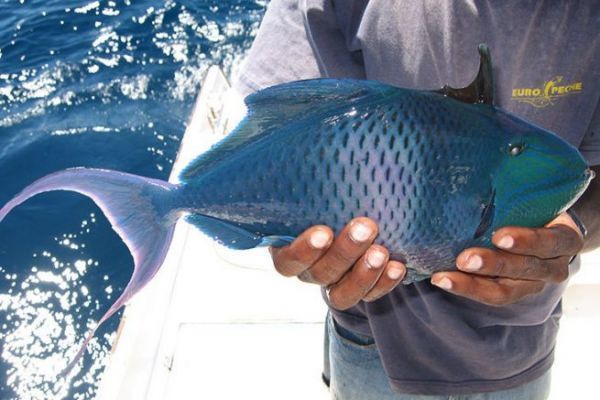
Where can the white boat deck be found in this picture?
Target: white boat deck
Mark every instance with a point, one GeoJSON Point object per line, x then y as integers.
{"type": "Point", "coordinates": [220, 324]}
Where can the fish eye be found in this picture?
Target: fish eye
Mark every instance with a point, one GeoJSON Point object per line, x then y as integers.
{"type": "Point", "coordinates": [515, 149]}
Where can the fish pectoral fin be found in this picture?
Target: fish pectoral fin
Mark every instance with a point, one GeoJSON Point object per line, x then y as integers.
{"type": "Point", "coordinates": [481, 90]}
{"type": "Point", "coordinates": [487, 216]}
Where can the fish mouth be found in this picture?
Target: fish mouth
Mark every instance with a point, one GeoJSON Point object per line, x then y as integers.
{"type": "Point", "coordinates": [589, 174]}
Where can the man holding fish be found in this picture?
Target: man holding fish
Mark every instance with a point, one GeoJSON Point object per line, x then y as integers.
{"type": "Point", "coordinates": [487, 330]}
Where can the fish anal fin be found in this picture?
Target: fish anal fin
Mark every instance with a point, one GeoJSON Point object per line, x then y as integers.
{"type": "Point", "coordinates": [233, 236]}
{"type": "Point", "coordinates": [481, 90]}
{"type": "Point", "coordinates": [225, 233]}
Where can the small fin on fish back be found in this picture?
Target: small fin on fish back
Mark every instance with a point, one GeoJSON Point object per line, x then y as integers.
{"type": "Point", "coordinates": [132, 205]}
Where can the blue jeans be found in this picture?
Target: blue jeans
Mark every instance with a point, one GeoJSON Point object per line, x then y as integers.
{"type": "Point", "coordinates": [354, 370]}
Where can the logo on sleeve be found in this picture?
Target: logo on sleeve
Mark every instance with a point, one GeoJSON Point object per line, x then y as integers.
{"type": "Point", "coordinates": [548, 93]}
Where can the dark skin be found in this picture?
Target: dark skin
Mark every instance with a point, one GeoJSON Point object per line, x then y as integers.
{"type": "Point", "coordinates": [524, 261]}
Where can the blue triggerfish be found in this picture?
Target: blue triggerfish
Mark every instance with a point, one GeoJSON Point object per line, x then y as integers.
{"type": "Point", "coordinates": [439, 171]}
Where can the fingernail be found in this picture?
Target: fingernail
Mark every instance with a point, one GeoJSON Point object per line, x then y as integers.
{"type": "Point", "coordinates": [506, 242]}
{"type": "Point", "coordinates": [319, 239]}
{"type": "Point", "coordinates": [375, 259]}
{"type": "Point", "coordinates": [394, 273]}
{"type": "Point", "coordinates": [474, 263]}
{"type": "Point", "coordinates": [443, 283]}
{"type": "Point", "coordinates": [360, 232]}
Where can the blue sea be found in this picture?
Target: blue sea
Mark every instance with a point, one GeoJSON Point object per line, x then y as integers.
{"type": "Point", "coordinates": [104, 84]}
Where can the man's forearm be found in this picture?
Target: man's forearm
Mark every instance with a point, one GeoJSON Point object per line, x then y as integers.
{"type": "Point", "coordinates": [588, 210]}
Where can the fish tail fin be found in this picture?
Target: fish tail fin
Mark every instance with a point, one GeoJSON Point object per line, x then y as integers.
{"type": "Point", "coordinates": [139, 209]}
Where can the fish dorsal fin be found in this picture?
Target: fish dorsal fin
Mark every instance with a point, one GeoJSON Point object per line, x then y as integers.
{"type": "Point", "coordinates": [279, 105]}
{"type": "Point", "coordinates": [481, 90]}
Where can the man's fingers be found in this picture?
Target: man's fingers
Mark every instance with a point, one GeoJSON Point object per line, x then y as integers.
{"type": "Point", "coordinates": [482, 261]}
{"type": "Point", "coordinates": [303, 252]}
{"type": "Point", "coordinates": [491, 291]}
{"type": "Point", "coordinates": [352, 242]}
{"type": "Point", "coordinates": [550, 242]}
{"type": "Point", "coordinates": [394, 272]}
{"type": "Point", "coordinates": [358, 282]}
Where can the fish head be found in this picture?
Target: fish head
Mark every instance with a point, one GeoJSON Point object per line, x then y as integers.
{"type": "Point", "coordinates": [539, 176]}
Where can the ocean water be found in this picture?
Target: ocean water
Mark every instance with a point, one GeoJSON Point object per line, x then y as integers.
{"type": "Point", "coordinates": [104, 84]}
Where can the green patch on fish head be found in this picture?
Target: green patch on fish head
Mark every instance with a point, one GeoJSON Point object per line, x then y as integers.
{"type": "Point", "coordinates": [540, 175]}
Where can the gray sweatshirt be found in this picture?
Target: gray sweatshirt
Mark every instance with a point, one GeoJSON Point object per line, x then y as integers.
{"type": "Point", "coordinates": [545, 56]}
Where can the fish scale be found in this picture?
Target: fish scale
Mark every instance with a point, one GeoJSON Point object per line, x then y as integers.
{"type": "Point", "coordinates": [438, 171]}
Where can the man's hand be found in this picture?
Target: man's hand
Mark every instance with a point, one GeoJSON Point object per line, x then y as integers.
{"type": "Point", "coordinates": [525, 261]}
{"type": "Point", "coordinates": [350, 265]}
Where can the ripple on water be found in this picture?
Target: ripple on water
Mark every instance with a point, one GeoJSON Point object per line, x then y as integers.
{"type": "Point", "coordinates": [105, 84]}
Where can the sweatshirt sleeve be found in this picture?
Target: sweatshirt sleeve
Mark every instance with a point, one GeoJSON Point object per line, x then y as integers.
{"type": "Point", "coordinates": [303, 39]}
{"type": "Point", "coordinates": [281, 51]}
